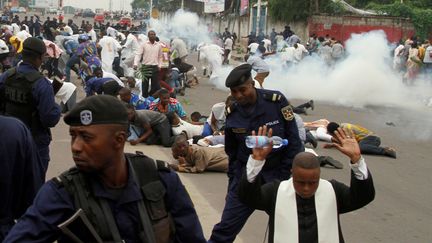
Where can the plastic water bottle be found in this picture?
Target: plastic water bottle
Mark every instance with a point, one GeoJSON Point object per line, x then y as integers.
{"type": "Point", "coordinates": [262, 141]}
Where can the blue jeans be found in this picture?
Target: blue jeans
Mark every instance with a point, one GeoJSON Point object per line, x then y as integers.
{"type": "Point", "coordinates": [371, 145]}
{"type": "Point", "coordinates": [70, 63]}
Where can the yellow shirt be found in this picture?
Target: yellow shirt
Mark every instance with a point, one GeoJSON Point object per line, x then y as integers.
{"type": "Point", "coordinates": [16, 43]}
{"type": "Point", "coordinates": [422, 52]}
{"type": "Point", "coordinates": [359, 132]}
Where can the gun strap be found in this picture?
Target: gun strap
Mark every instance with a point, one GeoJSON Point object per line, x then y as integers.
{"type": "Point", "coordinates": [110, 220]}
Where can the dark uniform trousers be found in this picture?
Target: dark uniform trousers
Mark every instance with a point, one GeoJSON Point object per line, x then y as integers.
{"type": "Point", "coordinates": [272, 110]}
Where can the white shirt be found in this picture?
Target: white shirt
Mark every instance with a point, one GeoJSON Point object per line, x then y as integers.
{"type": "Point", "coordinates": [131, 46]}
{"type": "Point", "coordinates": [179, 46]}
{"type": "Point", "coordinates": [15, 28]}
{"type": "Point", "coordinates": [253, 168]}
{"type": "Point", "coordinates": [137, 90]}
{"type": "Point", "coordinates": [299, 52]}
{"type": "Point", "coordinates": [258, 64]}
{"type": "Point", "coordinates": [23, 35]}
{"type": "Point", "coordinates": [228, 44]}
{"type": "Point", "coordinates": [92, 35]}
{"type": "Point", "coordinates": [111, 75]}
{"type": "Point", "coordinates": [190, 129]}
{"type": "Point", "coordinates": [111, 32]}
{"type": "Point", "coordinates": [68, 29]}
{"type": "Point", "coordinates": [267, 44]}
{"type": "Point", "coordinates": [287, 54]}
{"type": "Point", "coordinates": [427, 58]}
{"type": "Point", "coordinates": [3, 47]}
{"type": "Point", "coordinates": [253, 47]}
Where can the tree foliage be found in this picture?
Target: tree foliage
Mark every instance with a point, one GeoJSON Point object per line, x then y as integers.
{"type": "Point", "coordinates": [420, 17]}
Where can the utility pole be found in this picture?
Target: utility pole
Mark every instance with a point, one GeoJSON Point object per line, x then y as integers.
{"type": "Point", "coordinates": [182, 4]}
{"type": "Point", "coordinates": [258, 17]}
{"type": "Point", "coordinates": [110, 5]}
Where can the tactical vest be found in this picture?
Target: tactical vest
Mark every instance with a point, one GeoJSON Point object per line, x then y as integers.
{"type": "Point", "coordinates": [156, 224]}
{"type": "Point", "coordinates": [17, 99]}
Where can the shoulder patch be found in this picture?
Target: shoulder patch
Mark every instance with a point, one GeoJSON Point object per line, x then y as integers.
{"type": "Point", "coordinates": [273, 97]}
{"type": "Point", "coordinates": [288, 113]}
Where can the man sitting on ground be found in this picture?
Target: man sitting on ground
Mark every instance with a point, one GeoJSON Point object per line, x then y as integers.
{"type": "Point", "coordinates": [165, 104]}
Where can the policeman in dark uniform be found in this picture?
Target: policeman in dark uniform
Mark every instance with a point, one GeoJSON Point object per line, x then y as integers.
{"type": "Point", "coordinates": [122, 197]}
{"type": "Point", "coordinates": [21, 172]}
{"type": "Point", "coordinates": [253, 108]}
{"type": "Point", "coordinates": [27, 95]}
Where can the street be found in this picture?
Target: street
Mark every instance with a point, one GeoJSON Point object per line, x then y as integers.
{"type": "Point", "coordinates": [401, 211]}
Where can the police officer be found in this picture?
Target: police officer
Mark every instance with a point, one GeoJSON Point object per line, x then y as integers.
{"type": "Point", "coordinates": [21, 172]}
{"type": "Point", "coordinates": [27, 95]}
{"type": "Point", "coordinates": [253, 108]}
{"type": "Point", "coordinates": [128, 198]}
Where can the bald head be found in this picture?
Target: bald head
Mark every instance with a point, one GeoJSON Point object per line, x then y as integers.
{"type": "Point", "coordinates": [306, 160]}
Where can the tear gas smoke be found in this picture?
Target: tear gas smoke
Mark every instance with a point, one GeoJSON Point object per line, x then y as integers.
{"type": "Point", "coordinates": [182, 24]}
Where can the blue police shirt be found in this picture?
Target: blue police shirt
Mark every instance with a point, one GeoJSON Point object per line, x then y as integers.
{"type": "Point", "coordinates": [53, 205]}
{"type": "Point", "coordinates": [43, 97]}
{"type": "Point", "coordinates": [21, 173]}
{"type": "Point", "coordinates": [266, 111]}
{"type": "Point", "coordinates": [94, 85]}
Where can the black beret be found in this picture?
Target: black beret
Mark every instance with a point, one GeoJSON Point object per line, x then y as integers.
{"type": "Point", "coordinates": [34, 44]}
{"type": "Point", "coordinates": [98, 109]}
{"type": "Point", "coordinates": [239, 75]}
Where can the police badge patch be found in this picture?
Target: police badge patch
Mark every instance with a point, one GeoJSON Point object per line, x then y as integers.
{"type": "Point", "coordinates": [86, 117]}
{"type": "Point", "coordinates": [287, 112]}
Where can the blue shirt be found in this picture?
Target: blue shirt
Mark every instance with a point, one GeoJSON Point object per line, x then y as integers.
{"type": "Point", "coordinates": [43, 97]}
{"type": "Point", "coordinates": [240, 122]}
{"type": "Point", "coordinates": [21, 173]}
{"type": "Point", "coordinates": [71, 46]}
{"type": "Point", "coordinates": [94, 85]}
{"type": "Point", "coordinates": [53, 205]}
{"type": "Point", "coordinates": [139, 103]}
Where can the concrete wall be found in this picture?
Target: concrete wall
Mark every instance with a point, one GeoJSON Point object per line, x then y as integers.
{"type": "Point", "coordinates": [341, 27]}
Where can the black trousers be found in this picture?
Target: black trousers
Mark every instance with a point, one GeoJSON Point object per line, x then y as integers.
{"type": "Point", "coordinates": [161, 134]}
{"type": "Point", "coordinates": [155, 83]}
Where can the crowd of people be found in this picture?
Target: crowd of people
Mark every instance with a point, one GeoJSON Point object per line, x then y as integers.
{"type": "Point", "coordinates": [131, 83]}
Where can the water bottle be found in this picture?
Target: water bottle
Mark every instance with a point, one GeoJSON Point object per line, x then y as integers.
{"type": "Point", "coordinates": [262, 141]}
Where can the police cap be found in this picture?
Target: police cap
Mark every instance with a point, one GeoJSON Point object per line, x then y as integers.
{"type": "Point", "coordinates": [239, 75]}
{"type": "Point", "coordinates": [35, 45]}
{"type": "Point", "coordinates": [98, 109]}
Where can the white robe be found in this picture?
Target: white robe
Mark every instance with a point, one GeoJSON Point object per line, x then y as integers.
{"type": "Point", "coordinates": [110, 47]}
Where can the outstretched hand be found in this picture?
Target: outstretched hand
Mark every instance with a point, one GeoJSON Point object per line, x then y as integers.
{"type": "Point", "coordinates": [345, 142]}
{"type": "Point", "coordinates": [261, 153]}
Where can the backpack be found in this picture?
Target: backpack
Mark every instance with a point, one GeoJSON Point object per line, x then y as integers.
{"type": "Point", "coordinates": [156, 223]}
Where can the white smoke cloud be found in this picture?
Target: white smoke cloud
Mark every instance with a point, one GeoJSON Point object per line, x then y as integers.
{"type": "Point", "coordinates": [364, 78]}
{"type": "Point", "coordinates": [184, 25]}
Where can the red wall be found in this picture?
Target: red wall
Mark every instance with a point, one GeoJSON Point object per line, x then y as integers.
{"type": "Point", "coordinates": [341, 28]}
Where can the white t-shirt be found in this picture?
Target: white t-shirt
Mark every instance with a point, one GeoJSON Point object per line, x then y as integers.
{"type": "Point", "coordinates": [267, 44]}
{"type": "Point", "coordinates": [299, 52]}
{"type": "Point", "coordinates": [253, 47]}
{"type": "Point", "coordinates": [228, 44]}
{"type": "Point", "coordinates": [190, 129]}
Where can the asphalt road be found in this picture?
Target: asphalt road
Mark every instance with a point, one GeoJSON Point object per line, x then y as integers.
{"type": "Point", "coordinates": [401, 211]}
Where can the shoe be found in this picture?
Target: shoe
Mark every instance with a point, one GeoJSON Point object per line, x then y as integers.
{"type": "Point", "coordinates": [311, 139]}
{"type": "Point", "coordinates": [182, 91]}
{"type": "Point", "coordinates": [327, 160]}
{"type": "Point", "coordinates": [390, 152]}
{"type": "Point", "coordinates": [311, 104]}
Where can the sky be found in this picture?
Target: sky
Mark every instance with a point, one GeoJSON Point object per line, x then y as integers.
{"type": "Point", "coordinates": [92, 4]}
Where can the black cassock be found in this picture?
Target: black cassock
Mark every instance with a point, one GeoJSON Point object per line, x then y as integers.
{"type": "Point", "coordinates": [263, 197]}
